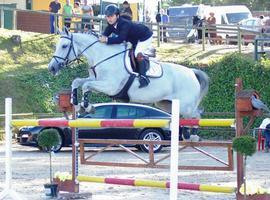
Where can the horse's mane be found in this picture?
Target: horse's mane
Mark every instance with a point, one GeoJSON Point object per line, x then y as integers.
{"type": "Point", "coordinates": [115, 47]}
{"type": "Point", "coordinates": [91, 32]}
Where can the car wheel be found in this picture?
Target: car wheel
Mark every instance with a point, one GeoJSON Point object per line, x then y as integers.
{"type": "Point", "coordinates": [56, 148]}
{"type": "Point", "coordinates": [152, 135]}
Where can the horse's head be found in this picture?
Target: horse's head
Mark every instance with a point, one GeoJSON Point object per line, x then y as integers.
{"type": "Point", "coordinates": [64, 53]}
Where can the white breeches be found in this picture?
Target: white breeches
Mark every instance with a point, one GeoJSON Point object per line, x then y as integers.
{"type": "Point", "coordinates": [143, 46]}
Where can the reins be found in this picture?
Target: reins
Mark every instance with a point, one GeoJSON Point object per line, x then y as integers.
{"type": "Point", "coordinates": [77, 57]}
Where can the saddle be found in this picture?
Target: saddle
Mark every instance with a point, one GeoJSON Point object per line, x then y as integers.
{"type": "Point", "coordinates": [154, 69]}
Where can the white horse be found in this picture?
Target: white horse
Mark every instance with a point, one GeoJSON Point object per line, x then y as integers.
{"type": "Point", "coordinates": [108, 74]}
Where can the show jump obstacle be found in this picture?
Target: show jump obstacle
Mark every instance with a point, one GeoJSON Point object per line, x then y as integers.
{"type": "Point", "coordinates": [243, 108]}
{"type": "Point", "coordinates": [135, 123]}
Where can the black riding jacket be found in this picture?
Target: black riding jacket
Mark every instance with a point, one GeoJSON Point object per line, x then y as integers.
{"type": "Point", "coordinates": [127, 31]}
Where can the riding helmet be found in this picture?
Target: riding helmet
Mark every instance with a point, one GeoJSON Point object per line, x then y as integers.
{"type": "Point", "coordinates": [111, 9]}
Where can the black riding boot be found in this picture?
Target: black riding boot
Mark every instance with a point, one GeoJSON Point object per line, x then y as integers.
{"type": "Point", "coordinates": [142, 64]}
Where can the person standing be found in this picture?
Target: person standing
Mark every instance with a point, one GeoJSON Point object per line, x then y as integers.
{"type": "Point", "coordinates": [67, 13]}
{"type": "Point", "coordinates": [147, 17]}
{"type": "Point", "coordinates": [164, 20]}
{"type": "Point", "coordinates": [158, 17]}
{"type": "Point", "coordinates": [54, 7]}
{"type": "Point", "coordinates": [211, 21]}
{"type": "Point", "coordinates": [139, 35]}
{"type": "Point", "coordinates": [126, 11]}
{"type": "Point", "coordinates": [265, 126]}
{"type": "Point", "coordinates": [77, 12]}
{"type": "Point", "coordinates": [267, 138]}
{"type": "Point", "coordinates": [87, 22]}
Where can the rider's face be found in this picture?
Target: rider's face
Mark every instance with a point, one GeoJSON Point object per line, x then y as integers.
{"type": "Point", "coordinates": [112, 19]}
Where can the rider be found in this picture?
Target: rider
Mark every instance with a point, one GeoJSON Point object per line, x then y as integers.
{"type": "Point", "coordinates": [138, 34]}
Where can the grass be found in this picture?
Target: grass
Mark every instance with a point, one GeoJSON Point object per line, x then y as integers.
{"type": "Point", "coordinates": [17, 61]}
{"type": "Point", "coordinates": [193, 54]}
{"type": "Point", "coordinates": [25, 78]}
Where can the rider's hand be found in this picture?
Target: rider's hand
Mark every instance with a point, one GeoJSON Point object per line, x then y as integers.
{"type": "Point", "coordinates": [103, 39]}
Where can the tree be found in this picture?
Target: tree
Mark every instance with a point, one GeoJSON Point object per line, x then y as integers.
{"type": "Point", "coordinates": [246, 146]}
{"type": "Point", "coordinates": [47, 139]}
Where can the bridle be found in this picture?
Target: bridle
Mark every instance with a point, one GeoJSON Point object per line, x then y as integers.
{"type": "Point", "coordinates": [66, 61]}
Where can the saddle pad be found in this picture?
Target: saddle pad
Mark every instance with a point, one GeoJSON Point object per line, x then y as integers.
{"type": "Point", "coordinates": [154, 71]}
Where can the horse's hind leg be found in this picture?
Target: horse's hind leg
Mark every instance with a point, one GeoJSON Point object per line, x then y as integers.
{"type": "Point", "coordinates": [165, 105]}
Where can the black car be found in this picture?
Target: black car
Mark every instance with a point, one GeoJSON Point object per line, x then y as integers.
{"type": "Point", "coordinates": [28, 135]}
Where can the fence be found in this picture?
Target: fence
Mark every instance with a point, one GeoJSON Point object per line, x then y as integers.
{"type": "Point", "coordinates": [184, 32]}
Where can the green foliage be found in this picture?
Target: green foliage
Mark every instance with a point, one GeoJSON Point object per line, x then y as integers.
{"type": "Point", "coordinates": [222, 79]}
{"type": "Point", "coordinates": [245, 145]}
{"type": "Point", "coordinates": [25, 78]}
{"type": "Point", "coordinates": [48, 138]}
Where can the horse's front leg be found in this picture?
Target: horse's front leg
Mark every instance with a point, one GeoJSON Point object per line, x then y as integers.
{"type": "Point", "coordinates": [76, 83]}
{"type": "Point", "coordinates": [101, 86]}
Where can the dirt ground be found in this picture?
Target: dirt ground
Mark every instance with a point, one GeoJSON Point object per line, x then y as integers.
{"type": "Point", "coordinates": [30, 172]}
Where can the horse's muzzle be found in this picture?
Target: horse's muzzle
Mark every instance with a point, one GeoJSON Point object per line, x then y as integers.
{"type": "Point", "coordinates": [52, 70]}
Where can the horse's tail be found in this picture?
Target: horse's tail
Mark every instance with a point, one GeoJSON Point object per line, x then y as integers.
{"type": "Point", "coordinates": [203, 79]}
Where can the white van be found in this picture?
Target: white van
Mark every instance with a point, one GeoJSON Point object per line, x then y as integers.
{"type": "Point", "coordinates": [230, 14]}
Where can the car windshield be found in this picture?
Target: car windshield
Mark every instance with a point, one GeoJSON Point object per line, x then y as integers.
{"type": "Point", "coordinates": [180, 20]}
{"type": "Point", "coordinates": [234, 18]}
{"type": "Point", "coordinates": [183, 11]}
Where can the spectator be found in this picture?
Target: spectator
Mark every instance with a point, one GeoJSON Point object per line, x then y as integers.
{"type": "Point", "coordinates": [262, 23]}
{"type": "Point", "coordinates": [267, 138]}
{"type": "Point", "coordinates": [164, 20]}
{"type": "Point", "coordinates": [212, 29]}
{"type": "Point", "coordinates": [126, 11]}
{"type": "Point", "coordinates": [77, 12]}
{"type": "Point", "coordinates": [196, 23]}
{"type": "Point", "coordinates": [67, 14]}
{"type": "Point", "coordinates": [87, 22]}
{"type": "Point", "coordinates": [54, 7]}
{"type": "Point", "coordinates": [158, 17]}
{"type": "Point", "coordinates": [265, 125]}
{"type": "Point", "coordinates": [147, 17]}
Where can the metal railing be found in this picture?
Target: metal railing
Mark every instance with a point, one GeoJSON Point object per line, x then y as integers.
{"type": "Point", "coordinates": [171, 32]}
{"type": "Point", "coordinates": [259, 47]}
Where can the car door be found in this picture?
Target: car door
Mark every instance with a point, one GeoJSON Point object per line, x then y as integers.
{"type": "Point", "coordinates": [101, 112]}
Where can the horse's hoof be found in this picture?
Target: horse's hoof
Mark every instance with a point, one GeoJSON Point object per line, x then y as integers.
{"type": "Point", "coordinates": [195, 138]}
{"type": "Point", "coordinates": [90, 109]}
{"type": "Point", "coordinates": [85, 104]}
{"type": "Point", "coordinates": [77, 108]}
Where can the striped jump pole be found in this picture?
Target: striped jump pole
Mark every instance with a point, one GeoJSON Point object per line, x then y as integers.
{"type": "Point", "coordinates": [157, 184]}
{"type": "Point", "coordinates": [137, 123]}
{"type": "Point", "coordinates": [8, 190]}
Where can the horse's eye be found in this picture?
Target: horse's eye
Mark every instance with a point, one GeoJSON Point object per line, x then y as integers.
{"type": "Point", "coordinates": [64, 46]}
